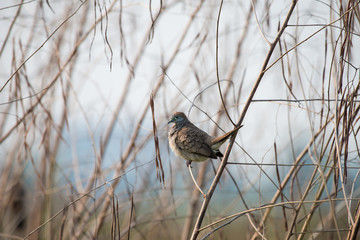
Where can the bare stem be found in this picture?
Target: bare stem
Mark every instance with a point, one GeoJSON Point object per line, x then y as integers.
{"type": "Point", "coordinates": [241, 118]}
{"type": "Point", "coordinates": [197, 186]}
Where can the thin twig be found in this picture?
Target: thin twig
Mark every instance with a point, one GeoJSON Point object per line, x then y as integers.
{"type": "Point", "coordinates": [221, 226]}
{"type": "Point", "coordinates": [253, 225]}
{"type": "Point", "coordinates": [217, 63]}
{"type": "Point", "coordinates": [258, 24]}
{"type": "Point", "coordinates": [192, 177]}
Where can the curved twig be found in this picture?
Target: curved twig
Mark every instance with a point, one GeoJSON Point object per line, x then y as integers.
{"type": "Point", "coordinates": [217, 63]}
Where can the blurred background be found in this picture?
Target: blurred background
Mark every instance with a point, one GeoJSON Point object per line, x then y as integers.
{"type": "Point", "coordinates": [77, 150]}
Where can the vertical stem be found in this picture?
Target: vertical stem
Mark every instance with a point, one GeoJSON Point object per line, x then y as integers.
{"type": "Point", "coordinates": [241, 118]}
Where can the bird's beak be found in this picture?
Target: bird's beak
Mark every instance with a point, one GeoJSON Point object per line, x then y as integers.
{"type": "Point", "coordinates": [170, 121]}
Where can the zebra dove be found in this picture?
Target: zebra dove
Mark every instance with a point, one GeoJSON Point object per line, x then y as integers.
{"type": "Point", "coordinates": [192, 143]}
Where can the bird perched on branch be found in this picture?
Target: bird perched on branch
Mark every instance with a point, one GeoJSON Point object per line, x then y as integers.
{"type": "Point", "coordinates": [192, 143]}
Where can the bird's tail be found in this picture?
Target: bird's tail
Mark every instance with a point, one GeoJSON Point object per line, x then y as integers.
{"type": "Point", "coordinates": [218, 141]}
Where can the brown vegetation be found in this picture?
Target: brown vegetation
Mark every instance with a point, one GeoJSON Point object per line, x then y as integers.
{"type": "Point", "coordinates": [84, 153]}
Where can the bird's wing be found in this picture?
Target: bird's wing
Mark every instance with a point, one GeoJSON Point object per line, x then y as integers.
{"type": "Point", "coordinates": [194, 140]}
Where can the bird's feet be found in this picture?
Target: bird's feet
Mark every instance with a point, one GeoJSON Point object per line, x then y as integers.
{"type": "Point", "coordinates": [188, 163]}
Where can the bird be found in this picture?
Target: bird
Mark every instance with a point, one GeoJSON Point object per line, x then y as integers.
{"type": "Point", "coordinates": [193, 144]}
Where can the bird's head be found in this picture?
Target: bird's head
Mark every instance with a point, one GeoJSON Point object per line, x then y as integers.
{"type": "Point", "coordinates": [179, 119]}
